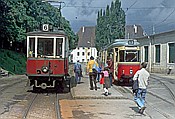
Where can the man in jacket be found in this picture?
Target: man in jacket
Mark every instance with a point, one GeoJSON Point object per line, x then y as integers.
{"type": "Point", "coordinates": [92, 72]}
{"type": "Point", "coordinates": [142, 76]}
{"type": "Point", "coordinates": [77, 71]}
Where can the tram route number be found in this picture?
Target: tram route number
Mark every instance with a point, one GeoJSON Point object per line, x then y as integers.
{"type": "Point", "coordinates": [45, 27]}
{"type": "Point", "coordinates": [131, 42]}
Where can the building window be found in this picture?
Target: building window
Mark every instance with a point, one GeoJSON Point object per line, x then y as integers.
{"type": "Point", "coordinates": [88, 53]}
{"type": "Point", "coordinates": [82, 60]}
{"type": "Point", "coordinates": [171, 52]}
{"type": "Point", "coordinates": [157, 53]}
{"type": "Point", "coordinates": [82, 53]}
{"type": "Point", "coordinates": [78, 53]}
{"type": "Point", "coordinates": [146, 53]}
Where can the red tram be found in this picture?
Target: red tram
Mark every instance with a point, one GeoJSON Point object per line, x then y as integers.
{"type": "Point", "coordinates": [124, 57]}
{"type": "Point", "coordinates": [47, 59]}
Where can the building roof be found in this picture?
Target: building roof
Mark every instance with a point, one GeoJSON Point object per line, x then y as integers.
{"type": "Point", "coordinates": [133, 31]}
{"type": "Point", "coordinates": [86, 36]}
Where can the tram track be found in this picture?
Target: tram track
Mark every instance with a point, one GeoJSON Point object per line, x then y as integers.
{"type": "Point", "coordinates": [9, 85]}
{"type": "Point", "coordinates": [128, 92]}
{"type": "Point", "coordinates": [43, 106]}
{"type": "Point", "coordinates": [170, 91]}
{"type": "Point", "coordinates": [130, 97]}
{"type": "Point", "coordinates": [163, 113]}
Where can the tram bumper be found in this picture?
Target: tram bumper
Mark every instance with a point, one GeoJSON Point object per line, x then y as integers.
{"type": "Point", "coordinates": [126, 79]}
{"type": "Point", "coordinates": [45, 85]}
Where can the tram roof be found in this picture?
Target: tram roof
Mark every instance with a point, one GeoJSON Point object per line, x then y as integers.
{"type": "Point", "coordinates": [46, 33]}
{"type": "Point", "coordinates": [123, 42]}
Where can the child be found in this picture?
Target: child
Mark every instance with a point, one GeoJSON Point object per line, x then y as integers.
{"type": "Point", "coordinates": [106, 82]}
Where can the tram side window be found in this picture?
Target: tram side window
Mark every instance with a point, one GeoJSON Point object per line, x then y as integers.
{"type": "Point", "coordinates": [116, 54]}
{"type": "Point", "coordinates": [121, 53]}
{"type": "Point", "coordinates": [45, 47]}
{"type": "Point", "coordinates": [59, 46]}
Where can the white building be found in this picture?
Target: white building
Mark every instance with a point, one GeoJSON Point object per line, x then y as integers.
{"type": "Point", "coordinates": [86, 45]}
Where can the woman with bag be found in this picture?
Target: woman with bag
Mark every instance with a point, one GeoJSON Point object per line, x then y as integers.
{"type": "Point", "coordinates": [91, 69]}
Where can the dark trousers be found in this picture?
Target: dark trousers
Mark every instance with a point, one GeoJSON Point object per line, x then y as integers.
{"type": "Point", "coordinates": [110, 77]}
{"type": "Point", "coordinates": [92, 77]}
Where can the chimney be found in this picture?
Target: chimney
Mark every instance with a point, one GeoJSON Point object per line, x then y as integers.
{"type": "Point", "coordinates": [83, 29]}
{"type": "Point", "coordinates": [135, 29]}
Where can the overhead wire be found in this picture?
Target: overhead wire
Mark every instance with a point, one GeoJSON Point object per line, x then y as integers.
{"type": "Point", "coordinates": [131, 6]}
{"type": "Point", "coordinates": [158, 24]}
{"type": "Point", "coordinates": [149, 8]}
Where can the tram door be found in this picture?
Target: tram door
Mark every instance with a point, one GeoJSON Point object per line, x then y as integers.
{"type": "Point", "coordinates": [116, 60]}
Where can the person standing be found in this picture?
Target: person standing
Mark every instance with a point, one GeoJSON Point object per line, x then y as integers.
{"type": "Point", "coordinates": [107, 83]}
{"type": "Point", "coordinates": [111, 68]}
{"type": "Point", "coordinates": [77, 71]}
{"type": "Point", "coordinates": [142, 76]}
{"type": "Point", "coordinates": [92, 72]}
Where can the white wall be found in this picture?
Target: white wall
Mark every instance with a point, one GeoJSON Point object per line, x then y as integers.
{"type": "Point", "coordinates": [85, 57]}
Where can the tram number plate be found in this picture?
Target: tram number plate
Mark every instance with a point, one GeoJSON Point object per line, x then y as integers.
{"type": "Point", "coordinates": [131, 42]}
{"type": "Point", "coordinates": [45, 27]}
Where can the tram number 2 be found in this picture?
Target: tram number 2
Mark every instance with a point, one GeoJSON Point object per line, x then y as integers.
{"type": "Point", "coordinates": [45, 27]}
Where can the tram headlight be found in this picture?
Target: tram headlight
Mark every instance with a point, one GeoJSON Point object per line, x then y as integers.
{"type": "Point", "coordinates": [45, 69]}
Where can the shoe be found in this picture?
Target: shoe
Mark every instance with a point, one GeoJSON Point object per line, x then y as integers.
{"type": "Point", "coordinates": [95, 88]}
{"type": "Point", "coordinates": [142, 110]}
{"type": "Point", "coordinates": [91, 88]}
{"type": "Point", "coordinates": [106, 94]}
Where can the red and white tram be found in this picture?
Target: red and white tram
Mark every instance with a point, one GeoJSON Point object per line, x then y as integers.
{"type": "Point", "coordinates": [47, 58]}
{"type": "Point", "coordinates": [124, 57]}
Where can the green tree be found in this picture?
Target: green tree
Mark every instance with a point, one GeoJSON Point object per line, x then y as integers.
{"type": "Point", "coordinates": [21, 16]}
{"type": "Point", "coordinates": [4, 24]}
{"type": "Point", "coordinates": [110, 24]}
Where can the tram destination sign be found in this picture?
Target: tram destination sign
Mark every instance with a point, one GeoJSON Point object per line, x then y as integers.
{"type": "Point", "coordinates": [130, 42]}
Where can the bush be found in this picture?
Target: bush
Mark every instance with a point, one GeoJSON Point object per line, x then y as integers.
{"type": "Point", "coordinates": [12, 61]}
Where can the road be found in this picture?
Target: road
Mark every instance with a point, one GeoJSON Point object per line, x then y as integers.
{"type": "Point", "coordinates": [161, 98]}
{"type": "Point", "coordinates": [160, 101]}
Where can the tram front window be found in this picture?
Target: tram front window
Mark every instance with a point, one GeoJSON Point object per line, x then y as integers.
{"type": "Point", "coordinates": [45, 47]}
{"type": "Point", "coordinates": [59, 47]}
{"type": "Point", "coordinates": [131, 56]}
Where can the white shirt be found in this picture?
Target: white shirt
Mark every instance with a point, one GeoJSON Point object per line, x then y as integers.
{"type": "Point", "coordinates": [143, 77]}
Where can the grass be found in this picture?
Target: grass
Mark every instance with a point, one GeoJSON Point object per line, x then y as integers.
{"type": "Point", "coordinates": [12, 61]}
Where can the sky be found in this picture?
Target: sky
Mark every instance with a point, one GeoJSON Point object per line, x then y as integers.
{"type": "Point", "coordinates": [153, 15]}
